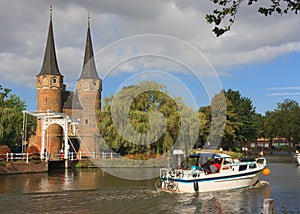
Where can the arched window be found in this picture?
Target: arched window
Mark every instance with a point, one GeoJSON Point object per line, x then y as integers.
{"type": "Point", "coordinates": [86, 121]}
{"type": "Point", "coordinates": [94, 83]}
{"type": "Point", "coordinates": [54, 80]}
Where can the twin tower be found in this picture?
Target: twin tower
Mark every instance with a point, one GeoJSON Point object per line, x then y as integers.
{"type": "Point", "coordinates": [82, 104]}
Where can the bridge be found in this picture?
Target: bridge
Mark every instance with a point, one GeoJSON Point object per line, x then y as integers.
{"type": "Point", "coordinates": [49, 118]}
{"type": "Point", "coordinates": [65, 158]}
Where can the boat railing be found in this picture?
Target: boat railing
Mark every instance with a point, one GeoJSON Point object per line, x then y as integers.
{"type": "Point", "coordinates": [168, 173]}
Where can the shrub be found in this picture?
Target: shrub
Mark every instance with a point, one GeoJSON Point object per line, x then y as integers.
{"type": "Point", "coordinates": [34, 153]}
{"type": "Point", "coordinates": [4, 149]}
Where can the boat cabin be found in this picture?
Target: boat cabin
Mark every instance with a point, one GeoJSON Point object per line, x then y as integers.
{"type": "Point", "coordinates": [211, 162]}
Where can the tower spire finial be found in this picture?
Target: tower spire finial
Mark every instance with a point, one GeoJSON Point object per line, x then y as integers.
{"type": "Point", "coordinates": [50, 9]}
{"type": "Point", "coordinates": [89, 19]}
{"type": "Point", "coordinates": [50, 62]}
{"type": "Point", "coordinates": [89, 68]}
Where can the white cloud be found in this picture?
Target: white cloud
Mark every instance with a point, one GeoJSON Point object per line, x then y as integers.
{"type": "Point", "coordinates": [286, 88]}
{"type": "Point", "coordinates": [286, 91]}
{"type": "Point", "coordinates": [285, 94]}
{"type": "Point", "coordinates": [24, 26]}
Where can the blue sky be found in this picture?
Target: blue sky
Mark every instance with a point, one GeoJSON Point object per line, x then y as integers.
{"type": "Point", "coordinates": [268, 83]}
{"type": "Point", "coordinates": [259, 57]}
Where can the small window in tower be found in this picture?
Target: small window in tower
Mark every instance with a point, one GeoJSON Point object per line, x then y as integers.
{"type": "Point", "coordinates": [95, 83]}
{"type": "Point", "coordinates": [86, 121]}
{"type": "Point", "coordinates": [54, 80]}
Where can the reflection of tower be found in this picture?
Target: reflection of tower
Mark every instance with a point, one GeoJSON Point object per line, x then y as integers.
{"type": "Point", "coordinates": [49, 85]}
{"type": "Point", "coordinates": [88, 88]}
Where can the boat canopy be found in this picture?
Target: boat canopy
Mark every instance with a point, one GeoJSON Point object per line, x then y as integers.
{"type": "Point", "coordinates": [209, 155]}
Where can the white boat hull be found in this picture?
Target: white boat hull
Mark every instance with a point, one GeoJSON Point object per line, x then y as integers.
{"type": "Point", "coordinates": [217, 183]}
{"type": "Point", "coordinates": [230, 174]}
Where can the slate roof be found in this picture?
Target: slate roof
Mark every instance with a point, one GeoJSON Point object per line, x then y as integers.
{"type": "Point", "coordinates": [50, 66]}
{"type": "Point", "coordinates": [89, 70]}
{"type": "Point", "coordinates": [70, 100]}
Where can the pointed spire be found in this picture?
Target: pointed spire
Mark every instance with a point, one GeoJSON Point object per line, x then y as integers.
{"type": "Point", "coordinates": [89, 20]}
{"type": "Point", "coordinates": [89, 68]}
{"type": "Point", "coordinates": [50, 63]}
{"type": "Point", "coordinates": [50, 9]}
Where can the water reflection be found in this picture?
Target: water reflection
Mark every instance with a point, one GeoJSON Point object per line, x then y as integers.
{"type": "Point", "coordinates": [94, 191]}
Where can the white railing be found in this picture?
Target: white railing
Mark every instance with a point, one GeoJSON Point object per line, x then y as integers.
{"type": "Point", "coordinates": [84, 155]}
{"type": "Point", "coordinates": [97, 155]}
{"type": "Point", "coordinates": [71, 156]}
{"type": "Point", "coordinates": [16, 157]}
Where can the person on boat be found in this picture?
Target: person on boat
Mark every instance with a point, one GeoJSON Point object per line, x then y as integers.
{"type": "Point", "coordinates": [206, 166]}
{"type": "Point", "coordinates": [214, 167]}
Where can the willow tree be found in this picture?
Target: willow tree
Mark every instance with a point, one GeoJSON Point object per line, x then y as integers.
{"type": "Point", "coordinates": [145, 119]}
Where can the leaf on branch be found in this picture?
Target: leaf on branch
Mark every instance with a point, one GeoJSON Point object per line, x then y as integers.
{"type": "Point", "coordinates": [263, 11]}
{"type": "Point", "coordinates": [228, 8]}
{"type": "Point", "coordinates": [220, 31]}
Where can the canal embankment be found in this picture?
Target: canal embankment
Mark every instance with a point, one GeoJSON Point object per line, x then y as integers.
{"type": "Point", "coordinates": [23, 167]}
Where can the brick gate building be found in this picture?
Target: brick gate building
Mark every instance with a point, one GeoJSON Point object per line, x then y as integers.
{"type": "Point", "coordinates": [81, 105]}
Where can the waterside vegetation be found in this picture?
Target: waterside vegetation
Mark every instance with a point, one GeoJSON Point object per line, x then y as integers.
{"type": "Point", "coordinates": [242, 124]}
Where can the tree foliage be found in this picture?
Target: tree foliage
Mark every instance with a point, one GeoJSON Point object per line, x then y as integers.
{"type": "Point", "coordinates": [240, 125]}
{"type": "Point", "coordinates": [241, 120]}
{"type": "Point", "coordinates": [11, 117]}
{"type": "Point", "coordinates": [227, 9]}
{"type": "Point", "coordinates": [147, 111]}
{"type": "Point", "coordinates": [141, 106]}
{"type": "Point", "coordinates": [247, 120]}
{"type": "Point", "coordinates": [283, 122]}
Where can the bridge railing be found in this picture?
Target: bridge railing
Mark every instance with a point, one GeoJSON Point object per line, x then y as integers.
{"type": "Point", "coordinates": [16, 157]}
{"type": "Point", "coordinates": [84, 155]}
{"type": "Point", "coordinates": [97, 155]}
{"type": "Point", "coordinates": [26, 157]}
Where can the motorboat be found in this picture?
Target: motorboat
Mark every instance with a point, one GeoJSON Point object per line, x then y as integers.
{"type": "Point", "coordinates": [212, 172]}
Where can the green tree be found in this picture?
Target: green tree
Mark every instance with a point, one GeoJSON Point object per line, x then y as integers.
{"type": "Point", "coordinates": [232, 127]}
{"type": "Point", "coordinates": [284, 121]}
{"type": "Point", "coordinates": [204, 118]}
{"type": "Point", "coordinates": [218, 120]}
{"type": "Point", "coordinates": [240, 124]}
{"type": "Point", "coordinates": [148, 109]}
{"type": "Point", "coordinates": [227, 9]}
{"type": "Point", "coordinates": [247, 119]}
{"type": "Point", "coordinates": [11, 118]}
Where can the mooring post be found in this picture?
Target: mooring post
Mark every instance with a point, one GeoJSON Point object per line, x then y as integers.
{"type": "Point", "coordinates": [268, 207]}
{"type": "Point", "coordinates": [66, 163]}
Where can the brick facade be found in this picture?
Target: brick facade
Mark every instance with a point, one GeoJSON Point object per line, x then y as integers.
{"type": "Point", "coordinates": [81, 105]}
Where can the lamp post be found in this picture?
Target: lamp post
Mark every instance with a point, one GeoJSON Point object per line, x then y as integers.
{"type": "Point", "coordinates": [24, 130]}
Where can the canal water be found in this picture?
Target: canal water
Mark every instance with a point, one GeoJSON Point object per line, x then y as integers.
{"type": "Point", "coordinates": [94, 191]}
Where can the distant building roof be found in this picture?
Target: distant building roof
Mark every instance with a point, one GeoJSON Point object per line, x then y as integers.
{"type": "Point", "coordinates": [70, 100]}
